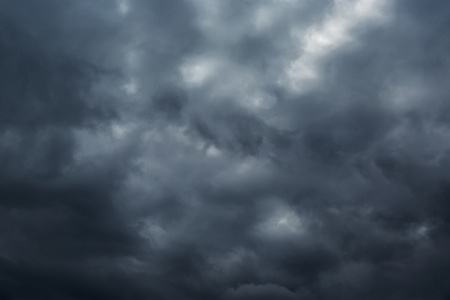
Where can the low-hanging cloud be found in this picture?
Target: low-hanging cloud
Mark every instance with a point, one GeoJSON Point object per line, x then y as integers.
{"type": "Point", "coordinates": [224, 149]}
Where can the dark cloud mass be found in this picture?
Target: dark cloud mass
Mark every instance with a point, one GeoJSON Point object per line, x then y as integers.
{"type": "Point", "coordinates": [206, 149]}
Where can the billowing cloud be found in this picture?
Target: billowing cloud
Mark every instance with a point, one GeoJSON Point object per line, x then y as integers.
{"type": "Point", "coordinates": [199, 149]}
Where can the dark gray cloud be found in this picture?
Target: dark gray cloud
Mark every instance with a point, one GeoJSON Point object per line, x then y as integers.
{"type": "Point", "coordinates": [224, 149]}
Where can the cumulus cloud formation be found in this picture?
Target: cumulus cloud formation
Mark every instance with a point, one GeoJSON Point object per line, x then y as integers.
{"type": "Point", "coordinates": [206, 149]}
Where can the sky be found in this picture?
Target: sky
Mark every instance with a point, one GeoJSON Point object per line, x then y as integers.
{"type": "Point", "coordinates": [224, 149]}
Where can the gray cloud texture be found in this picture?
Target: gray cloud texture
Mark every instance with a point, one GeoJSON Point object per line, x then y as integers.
{"type": "Point", "coordinates": [203, 149]}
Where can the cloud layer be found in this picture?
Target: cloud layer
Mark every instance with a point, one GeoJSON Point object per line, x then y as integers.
{"type": "Point", "coordinates": [199, 149]}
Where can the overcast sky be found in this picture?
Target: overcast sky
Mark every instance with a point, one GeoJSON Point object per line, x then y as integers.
{"type": "Point", "coordinates": [224, 149]}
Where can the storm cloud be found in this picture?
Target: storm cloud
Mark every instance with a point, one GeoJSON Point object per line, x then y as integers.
{"type": "Point", "coordinates": [206, 149]}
